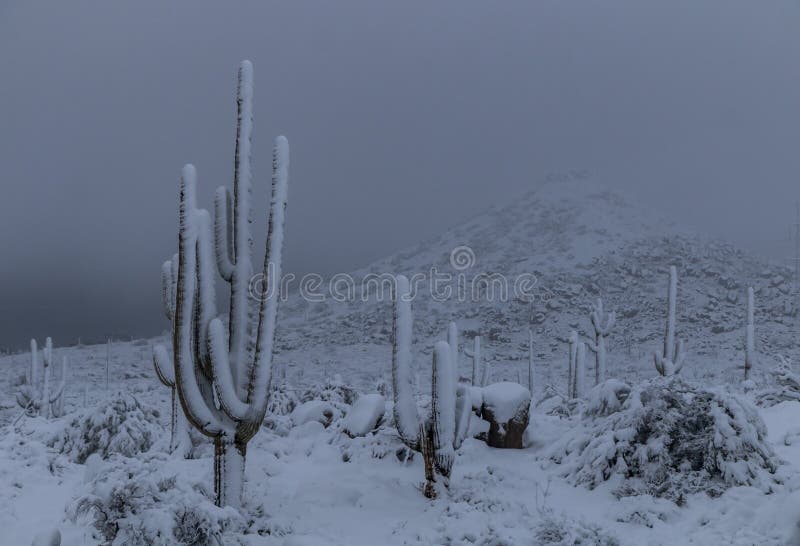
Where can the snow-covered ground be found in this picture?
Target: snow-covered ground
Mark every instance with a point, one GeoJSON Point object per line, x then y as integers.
{"type": "Point", "coordinates": [310, 485]}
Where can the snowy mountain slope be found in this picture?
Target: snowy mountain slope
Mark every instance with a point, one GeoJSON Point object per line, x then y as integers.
{"type": "Point", "coordinates": [579, 240]}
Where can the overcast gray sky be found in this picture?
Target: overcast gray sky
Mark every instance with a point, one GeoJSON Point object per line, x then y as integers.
{"type": "Point", "coordinates": [404, 118]}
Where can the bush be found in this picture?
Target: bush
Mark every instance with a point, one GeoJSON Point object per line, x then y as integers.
{"type": "Point", "coordinates": [670, 439]}
{"type": "Point", "coordinates": [137, 503]}
{"type": "Point", "coordinates": [557, 531]}
{"type": "Point", "coordinates": [119, 425]}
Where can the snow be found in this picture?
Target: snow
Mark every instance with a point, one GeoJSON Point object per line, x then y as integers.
{"type": "Point", "coordinates": [505, 399]}
{"type": "Point", "coordinates": [312, 484]}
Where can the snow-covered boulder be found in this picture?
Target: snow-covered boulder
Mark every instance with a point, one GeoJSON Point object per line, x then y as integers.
{"type": "Point", "coordinates": [365, 415]}
{"type": "Point", "coordinates": [314, 410]}
{"type": "Point", "coordinates": [669, 439]}
{"type": "Point", "coordinates": [119, 425]}
{"type": "Point", "coordinates": [506, 406]}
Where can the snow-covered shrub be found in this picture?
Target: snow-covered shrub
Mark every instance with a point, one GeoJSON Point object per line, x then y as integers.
{"type": "Point", "coordinates": [137, 502]}
{"type": "Point", "coordinates": [282, 399]}
{"type": "Point", "coordinates": [606, 398]}
{"type": "Point", "coordinates": [561, 531]}
{"type": "Point", "coordinates": [670, 439]}
{"type": "Point", "coordinates": [333, 390]}
{"type": "Point", "coordinates": [118, 425]}
{"type": "Point", "coordinates": [784, 385]}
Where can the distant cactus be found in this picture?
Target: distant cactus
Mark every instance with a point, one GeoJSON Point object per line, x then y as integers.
{"type": "Point", "coordinates": [530, 361]}
{"type": "Point", "coordinates": [179, 440]}
{"type": "Point", "coordinates": [573, 363]}
{"type": "Point", "coordinates": [37, 397]}
{"type": "Point", "coordinates": [452, 340]}
{"type": "Point", "coordinates": [439, 436]}
{"type": "Point", "coordinates": [580, 370]}
{"type": "Point", "coordinates": [670, 361]}
{"type": "Point", "coordinates": [602, 323]}
{"type": "Point", "coordinates": [475, 354]}
{"type": "Point", "coordinates": [749, 343]}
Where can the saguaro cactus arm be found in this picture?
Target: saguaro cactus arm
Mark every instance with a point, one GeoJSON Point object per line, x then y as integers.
{"type": "Point", "coordinates": [443, 414]}
{"type": "Point", "coordinates": [749, 344]}
{"type": "Point", "coordinates": [406, 417]}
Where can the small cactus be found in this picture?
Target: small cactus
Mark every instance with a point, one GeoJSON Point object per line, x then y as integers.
{"type": "Point", "coordinates": [749, 343]}
{"type": "Point", "coordinates": [37, 397]}
{"type": "Point", "coordinates": [602, 323]}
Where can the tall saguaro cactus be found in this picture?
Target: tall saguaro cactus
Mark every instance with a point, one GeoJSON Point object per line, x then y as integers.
{"type": "Point", "coordinates": [223, 376]}
{"type": "Point", "coordinates": [602, 323]}
{"type": "Point", "coordinates": [179, 440]}
{"type": "Point", "coordinates": [670, 361]}
{"type": "Point", "coordinates": [441, 434]}
{"type": "Point", "coordinates": [749, 342]}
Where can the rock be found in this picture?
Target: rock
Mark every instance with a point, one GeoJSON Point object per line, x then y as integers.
{"type": "Point", "coordinates": [506, 406]}
{"type": "Point", "coordinates": [313, 410]}
{"type": "Point", "coordinates": [365, 415]}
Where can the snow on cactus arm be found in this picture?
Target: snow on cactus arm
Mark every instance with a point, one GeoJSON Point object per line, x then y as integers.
{"type": "Point", "coordinates": [162, 363]}
{"type": "Point", "coordinates": [406, 417]}
{"type": "Point", "coordinates": [192, 386]}
{"type": "Point", "coordinates": [261, 371]}
{"type": "Point", "coordinates": [443, 408]}
{"type": "Point", "coordinates": [365, 415]}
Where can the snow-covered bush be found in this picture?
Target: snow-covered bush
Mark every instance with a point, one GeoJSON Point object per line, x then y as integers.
{"type": "Point", "coordinates": [670, 439]}
{"type": "Point", "coordinates": [119, 425]}
{"type": "Point", "coordinates": [606, 398]}
{"type": "Point", "coordinates": [282, 399]}
{"type": "Point", "coordinates": [561, 531]}
{"type": "Point", "coordinates": [784, 385]}
{"type": "Point", "coordinates": [137, 502]}
{"type": "Point", "coordinates": [334, 390]}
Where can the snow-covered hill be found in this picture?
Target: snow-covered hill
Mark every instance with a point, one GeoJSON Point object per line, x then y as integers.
{"type": "Point", "coordinates": [574, 240]}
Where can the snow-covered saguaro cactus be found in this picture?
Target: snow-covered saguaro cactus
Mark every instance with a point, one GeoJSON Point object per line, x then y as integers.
{"type": "Point", "coordinates": [530, 361]}
{"type": "Point", "coordinates": [749, 341]}
{"type": "Point", "coordinates": [475, 354]}
{"type": "Point", "coordinates": [223, 374]}
{"type": "Point", "coordinates": [670, 361]}
{"type": "Point", "coordinates": [38, 396]}
{"type": "Point", "coordinates": [573, 363]}
{"type": "Point", "coordinates": [579, 388]}
{"type": "Point", "coordinates": [441, 434]}
{"type": "Point", "coordinates": [452, 341]}
{"type": "Point", "coordinates": [602, 323]}
{"type": "Point", "coordinates": [179, 440]}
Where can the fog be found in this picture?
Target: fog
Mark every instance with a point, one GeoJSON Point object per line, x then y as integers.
{"type": "Point", "coordinates": [403, 118]}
